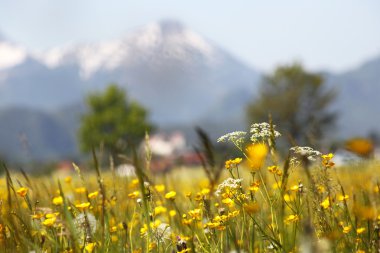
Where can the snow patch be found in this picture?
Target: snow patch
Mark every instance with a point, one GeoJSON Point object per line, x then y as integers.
{"type": "Point", "coordinates": [11, 55]}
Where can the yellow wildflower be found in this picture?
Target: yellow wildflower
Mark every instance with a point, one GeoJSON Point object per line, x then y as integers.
{"type": "Point", "coordinates": [68, 179]}
{"type": "Point", "coordinates": [205, 191]}
{"type": "Point", "coordinates": [326, 160]}
{"type": "Point", "coordinates": [229, 202]}
{"type": "Point", "coordinates": [291, 218]}
{"type": "Point", "coordinates": [114, 238]}
{"type": "Point", "coordinates": [170, 195]}
{"type": "Point", "coordinates": [346, 229]}
{"type": "Point", "coordinates": [22, 191]}
{"type": "Point", "coordinates": [326, 203]}
{"type": "Point", "coordinates": [294, 187]}
{"type": "Point", "coordinates": [232, 162]}
{"type": "Point", "coordinates": [273, 169]}
{"type": "Point", "coordinates": [93, 195]}
{"type": "Point", "coordinates": [256, 154]}
{"type": "Point", "coordinates": [90, 247]}
{"type": "Point", "coordinates": [343, 197]}
{"type": "Point", "coordinates": [83, 206]}
{"type": "Point", "coordinates": [172, 213]}
{"type": "Point", "coordinates": [360, 230]}
{"type": "Point", "coordinates": [49, 221]}
{"type": "Point", "coordinates": [160, 187]}
{"type": "Point", "coordinates": [159, 210]}
{"type": "Point", "coordinates": [195, 214]}
{"type": "Point", "coordinates": [134, 194]}
{"type": "Point", "coordinates": [80, 190]}
{"type": "Point", "coordinates": [37, 216]}
{"type": "Point", "coordinates": [254, 187]}
{"type": "Point", "coordinates": [58, 201]}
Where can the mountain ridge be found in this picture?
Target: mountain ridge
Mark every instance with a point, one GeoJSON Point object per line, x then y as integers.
{"type": "Point", "coordinates": [182, 78]}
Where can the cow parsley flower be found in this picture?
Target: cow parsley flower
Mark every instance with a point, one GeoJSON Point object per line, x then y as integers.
{"type": "Point", "coordinates": [307, 152]}
{"type": "Point", "coordinates": [80, 223]}
{"type": "Point", "coordinates": [228, 184]}
{"type": "Point", "coordinates": [262, 131]}
{"type": "Point", "coordinates": [237, 138]}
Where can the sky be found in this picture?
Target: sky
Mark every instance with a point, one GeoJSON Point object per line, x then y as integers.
{"type": "Point", "coordinates": [324, 35]}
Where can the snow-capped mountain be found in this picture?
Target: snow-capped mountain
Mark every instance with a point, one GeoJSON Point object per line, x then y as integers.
{"type": "Point", "coordinates": [176, 73]}
{"type": "Point", "coordinates": [181, 77]}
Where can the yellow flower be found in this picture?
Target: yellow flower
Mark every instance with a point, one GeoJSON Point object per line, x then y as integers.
{"type": "Point", "coordinates": [170, 195]}
{"type": "Point", "coordinates": [232, 162]}
{"type": "Point", "coordinates": [343, 197]}
{"type": "Point", "coordinates": [326, 203]}
{"type": "Point", "coordinates": [90, 247]}
{"type": "Point", "coordinates": [159, 210]}
{"type": "Point", "coordinates": [80, 190]}
{"type": "Point", "coordinates": [291, 218]}
{"type": "Point", "coordinates": [83, 206]}
{"type": "Point", "coordinates": [195, 214]}
{"type": "Point", "coordinates": [294, 187]}
{"type": "Point", "coordinates": [134, 194]}
{"type": "Point", "coordinates": [326, 160]}
{"type": "Point", "coordinates": [172, 213]}
{"type": "Point", "coordinates": [58, 201]}
{"type": "Point", "coordinates": [37, 216]}
{"type": "Point", "coordinates": [229, 202]}
{"type": "Point", "coordinates": [205, 191]}
{"type": "Point", "coordinates": [22, 191]}
{"type": "Point", "coordinates": [288, 197]}
{"type": "Point", "coordinates": [114, 238]}
{"type": "Point", "coordinates": [160, 187]}
{"type": "Point", "coordinates": [49, 221]}
{"type": "Point", "coordinates": [346, 229]}
{"type": "Point", "coordinates": [360, 230]}
{"type": "Point", "coordinates": [256, 154]}
{"type": "Point", "coordinates": [273, 169]}
{"type": "Point", "coordinates": [254, 187]}
{"type": "Point", "coordinates": [93, 195]}
{"type": "Point", "coordinates": [68, 179]}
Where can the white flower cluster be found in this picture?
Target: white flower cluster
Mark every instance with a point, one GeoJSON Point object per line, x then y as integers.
{"type": "Point", "coordinates": [262, 131]}
{"type": "Point", "coordinates": [308, 152]}
{"type": "Point", "coordinates": [81, 226]}
{"type": "Point", "coordinates": [161, 232]}
{"type": "Point", "coordinates": [236, 138]}
{"type": "Point", "coordinates": [229, 183]}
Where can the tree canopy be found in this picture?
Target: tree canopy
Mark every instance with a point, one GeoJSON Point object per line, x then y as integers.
{"type": "Point", "coordinates": [113, 121]}
{"type": "Point", "coordinates": [298, 102]}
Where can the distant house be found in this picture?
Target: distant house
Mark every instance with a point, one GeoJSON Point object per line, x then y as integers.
{"type": "Point", "coordinates": [169, 150]}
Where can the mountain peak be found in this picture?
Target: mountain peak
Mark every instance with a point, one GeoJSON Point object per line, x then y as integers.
{"type": "Point", "coordinates": [171, 26]}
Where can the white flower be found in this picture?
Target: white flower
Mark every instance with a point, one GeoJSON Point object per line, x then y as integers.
{"type": "Point", "coordinates": [161, 232]}
{"type": "Point", "coordinates": [229, 183]}
{"type": "Point", "coordinates": [236, 138]}
{"type": "Point", "coordinates": [307, 152]}
{"type": "Point", "coordinates": [262, 131]}
{"type": "Point", "coordinates": [81, 225]}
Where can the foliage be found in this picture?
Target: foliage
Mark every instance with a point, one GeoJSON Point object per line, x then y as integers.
{"type": "Point", "coordinates": [113, 121]}
{"type": "Point", "coordinates": [308, 204]}
{"type": "Point", "coordinates": [299, 100]}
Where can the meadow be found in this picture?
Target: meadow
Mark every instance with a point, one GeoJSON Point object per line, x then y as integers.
{"type": "Point", "coordinates": [255, 202]}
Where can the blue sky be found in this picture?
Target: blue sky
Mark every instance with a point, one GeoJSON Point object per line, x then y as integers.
{"type": "Point", "coordinates": [324, 34]}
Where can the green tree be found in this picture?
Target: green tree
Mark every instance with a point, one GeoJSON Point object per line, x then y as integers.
{"type": "Point", "coordinates": [298, 102]}
{"type": "Point", "coordinates": [113, 121]}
